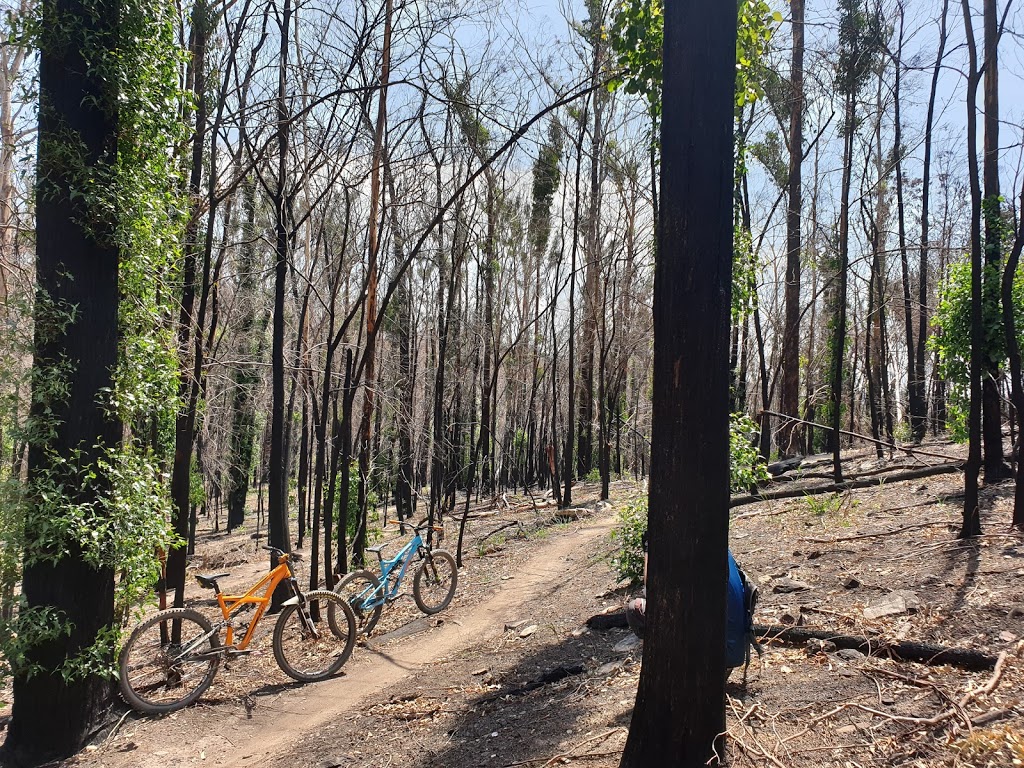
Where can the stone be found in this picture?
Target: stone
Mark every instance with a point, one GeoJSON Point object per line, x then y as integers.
{"type": "Point", "coordinates": [628, 644]}
{"type": "Point", "coordinates": [846, 730]}
{"type": "Point", "coordinates": [786, 585]}
{"type": "Point", "coordinates": [1007, 637]}
{"type": "Point", "coordinates": [850, 582]}
{"type": "Point", "coordinates": [816, 646]}
{"type": "Point", "coordinates": [527, 631]}
{"type": "Point", "coordinates": [610, 668]}
{"type": "Point", "coordinates": [515, 626]}
{"type": "Point", "coordinates": [896, 602]}
{"type": "Point", "coordinates": [849, 654]}
{"type": "Point", "coordinates": [1016, 611]}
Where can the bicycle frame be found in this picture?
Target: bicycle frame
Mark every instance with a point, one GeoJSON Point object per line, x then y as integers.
{"type": "Point", "coordinates": [380, 595]}
{"type": "Point", "coordinates": [232, 604]}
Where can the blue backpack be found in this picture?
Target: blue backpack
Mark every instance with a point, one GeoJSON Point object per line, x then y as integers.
{"type": "Point", "coordinates": [741, 600]}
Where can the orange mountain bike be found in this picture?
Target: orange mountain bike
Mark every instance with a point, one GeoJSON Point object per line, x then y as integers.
{"type": "Point", "coordinates": [171, 658]}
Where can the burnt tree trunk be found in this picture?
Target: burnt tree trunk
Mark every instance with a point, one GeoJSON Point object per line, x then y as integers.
{"type": "Point", "coordinates": [76, 266]}
{"type": "Point", "coordinates": [789, 402]}
{"type": "Point", "coordinates": [971, 515]}
{"type": "Point", "coordinates": [680, 705]}
{"type": "Point", "coordinates": [992, 414]}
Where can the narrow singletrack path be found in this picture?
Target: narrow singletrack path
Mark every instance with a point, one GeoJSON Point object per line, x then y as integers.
{"type": "Point", "coordinates": [260, 735]}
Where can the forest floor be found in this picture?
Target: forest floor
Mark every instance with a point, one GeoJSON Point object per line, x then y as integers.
{"type": "Point", "coordinates": [510, 674]}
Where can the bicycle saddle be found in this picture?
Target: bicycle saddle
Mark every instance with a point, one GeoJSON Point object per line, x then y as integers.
{"type": "Point", "coordinates": [210, 582]}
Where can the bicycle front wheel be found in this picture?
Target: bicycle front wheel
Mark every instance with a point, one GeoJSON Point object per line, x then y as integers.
{"type": "Point", "coordinates": [168, 661]}
{"type": "Point", "coordinates": [358, 589]}
{"type": "Point", "coordinates": [434, 584]}
{"type": "Point", "coordinates": [314, 639]}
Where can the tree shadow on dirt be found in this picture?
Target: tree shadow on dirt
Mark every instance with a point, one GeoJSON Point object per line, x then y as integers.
{"type": "Point", "coordinates": [558, 700]}
{"type": "Point", "coordinates": [548, 700]}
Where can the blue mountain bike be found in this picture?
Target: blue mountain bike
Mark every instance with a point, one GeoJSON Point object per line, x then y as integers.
{"type": "Point", "coordinates": [433, 584]}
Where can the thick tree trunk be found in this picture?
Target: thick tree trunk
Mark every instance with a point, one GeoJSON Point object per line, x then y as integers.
{"type": "Point", "coordinates": [76, 266]}
{"type": "Point", "coordinates": [680, 708]}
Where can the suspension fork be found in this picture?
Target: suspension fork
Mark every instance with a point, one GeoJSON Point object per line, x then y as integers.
{"type": "Point", "coordinates": [300, 602]}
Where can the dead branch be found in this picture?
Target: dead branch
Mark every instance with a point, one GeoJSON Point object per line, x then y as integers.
{"type": "Point", "coordinates": [891, 446]}
{"type": "Point", "coordinates": [906, 650]}
{"type": "Point", "coordinates": [789, 493]}
{"type": "Point", "coordinates": [603, 621]}
{"type": "Point", "coordinates": [500, 528]}
{"type": "Point", "coordinates": [878, 534]}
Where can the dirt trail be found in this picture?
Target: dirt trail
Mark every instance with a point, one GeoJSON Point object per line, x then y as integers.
{"type": "Point", "coordinates": [229, 736]}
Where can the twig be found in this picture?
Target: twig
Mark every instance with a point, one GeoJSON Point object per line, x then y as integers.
{"type": "Point", "coordinates": [760, 748]}
{"type": "Point", "coordinates": [990, 686]}
{"type": "Point", "coordinates": [116, 728]}
{"type": "Point", "coordinates": [992, 715]}
{"type": "Point", "coordinates": [878, 534]}
{"type": "Point", "coordinates": [605, 735]}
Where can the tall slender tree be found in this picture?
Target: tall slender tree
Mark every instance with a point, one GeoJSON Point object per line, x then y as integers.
{"type": "Point", "coordinates": [971, 513]}
{"type": "Point", "coordinates": [992, 411]}
{"type": "Point", "coordinates": [790, 393]}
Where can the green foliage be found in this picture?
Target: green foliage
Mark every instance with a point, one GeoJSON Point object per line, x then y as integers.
{"type": "Point", "coordinates": [745, 465]}
{"type": "Point", "coordinates": [638, 36]}
{"type": "Point", "coordinates": [108, 505]}
{"type": "Point", "coordinates": [745, 469]}
{"type": "Point", "coordinates": [546, 176]}
{"type": "Point", "coordinates": [628, 559]}
{"type": "Point", "coordinates": [824, 505]}
{"type": "Point", "coordinates": [952, 334]}
{"type": "Point", "coordinates": [744, 272]}
{"type": "Point", "coordinates": [862, 40]}
{"type": "Point", "coordinates": [638, 33]}
{"type": "Point", "coordinates": [773, 154]}
{"type": "Point", "coordinates": [29, 626]}
{"type": "Point", "coordinates": [374, 531]}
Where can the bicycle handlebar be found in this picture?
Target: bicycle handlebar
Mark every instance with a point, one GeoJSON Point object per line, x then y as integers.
{"type": "Point", "coordinates": [294, 556]}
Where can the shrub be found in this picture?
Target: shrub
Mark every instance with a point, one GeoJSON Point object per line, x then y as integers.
{"type": "Point", "coordinates": [746, 469]}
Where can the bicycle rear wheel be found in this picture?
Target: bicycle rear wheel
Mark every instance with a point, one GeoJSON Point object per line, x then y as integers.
{"type": "Point", "coordinates": [314, 639]}
{"type": "Point", "coordinates": [357, 589]}
{"type": "Point", "coordinates": [434, 584]}
{"type": "Point", "coordinates": [157, 675]}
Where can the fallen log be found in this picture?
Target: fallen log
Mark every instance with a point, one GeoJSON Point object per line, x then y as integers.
{"type": "Point", "coordinates": [906, 650]}
{"type": "Point", "coordinates": [604, 621]}
{"type": "Point", "coordinates": [790, 493]}
{"type": "Point", "coordinates": [551, 676]}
